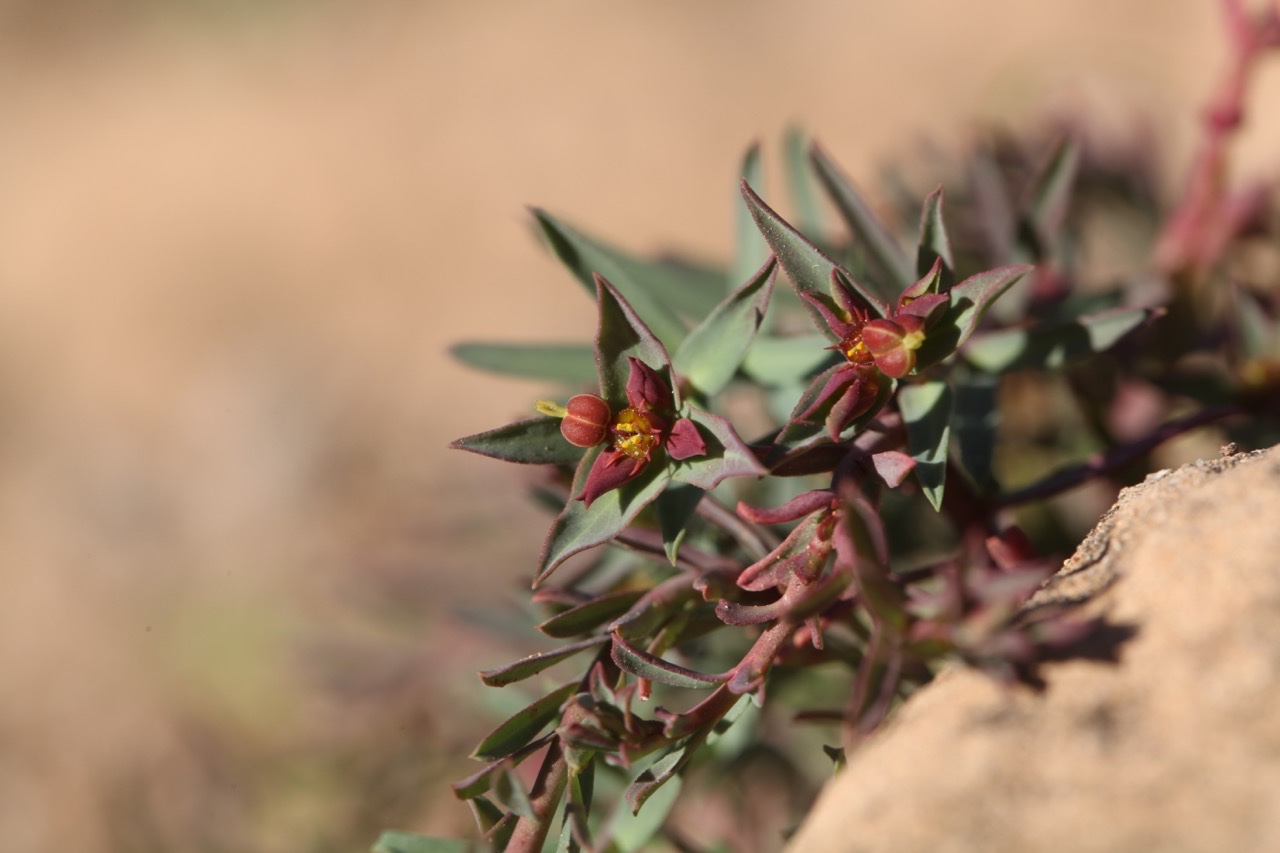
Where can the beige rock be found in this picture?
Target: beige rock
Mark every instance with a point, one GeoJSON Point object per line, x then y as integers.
{"type": "Point", "coordinates": [1176, 748]}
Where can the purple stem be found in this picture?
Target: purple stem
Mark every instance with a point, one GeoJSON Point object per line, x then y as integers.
{"type": "Point", "coordinates": [1103, 463]}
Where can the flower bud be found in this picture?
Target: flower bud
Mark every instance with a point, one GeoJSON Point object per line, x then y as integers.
{"type": "Point", "coordinates": [586, 420]}
{"type": "Point", "coordinates": [893, 343]}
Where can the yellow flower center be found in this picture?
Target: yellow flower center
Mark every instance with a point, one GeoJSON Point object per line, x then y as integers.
{"type": "Point", "coordinates": [633, 434]}
{"type": "Point", "coordinates": [854, 349]}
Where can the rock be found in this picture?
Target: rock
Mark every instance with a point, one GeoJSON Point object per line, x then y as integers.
{"type": "Point", "coordinates": [1175, 748]}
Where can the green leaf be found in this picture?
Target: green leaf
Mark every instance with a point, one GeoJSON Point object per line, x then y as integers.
{"type": "Point", "coordinates": [974, 423]}
{"type": "Point", "coordinates": [536, 441]}
{"type": "Point", "coordinates": [727, 454]}
{"type": "Point", "coordinates": [654, 289]}
{"type": "Point", "coordinates": [644, 665]}
{"type": "Point", "coordinates": [534, 664]}
{"type": "Point", "coordinates": [577, 808]}
{"type": "Point", "coordinates": [807, 267]}
{"type": "Point", "coordinates": [484, 811]}
{"type": "Point", "coordinates": [675, 506]}
{"type": "Point", "coordinates": [785, 362]}
{"type": "Point", "coordinates": [885, 254]}
{"type": "Point", "coordinates": [590, 615]}
{"type": "Point", "coordinates": [393, 841]}
{"type": "Point", "coordinates": [580, 527]}
{"type": "Point", "coordinates": [1050, 197]}
{"type": "Point", "coordinates": [523, 726]}
{"type": "Point", "coordinates": [970, 300]}
{"type": "Point", "coordinates": [1258, 334]}
{"type": "Point", "coordinates": [633, 831]}
{"type": "Point", "coordinates": [510, 792]}
{"type": "Point", "coordinates": [481, 781]}
{"type": "Point", "coordinates": [1050, 346]}
{"type": "Point", "coordinates": [802, 188]}
{"type": "Point", "coordinates": [750, 250]}
{"type": "Point", "coordinates": [661, 773]}
{"type": "Point", "coordinates": [573, 365]}
{"type": "Point", "coordinates": [934, 242]}
{"type": "Point", "coordinates": [926, 409]}
{"type": "Point", "coordinates": [711, 354]}
{"type": "Point", "coordinates": [621, 334]}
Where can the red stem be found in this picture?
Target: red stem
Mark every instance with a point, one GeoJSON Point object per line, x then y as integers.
{"type": "Point", "coordinates": [1102, 463]}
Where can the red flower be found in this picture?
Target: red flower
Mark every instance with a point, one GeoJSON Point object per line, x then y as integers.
{"type": "Point", "coordinates": [870, 347]}
{"type": "Point", "coordinates": [645, 428]}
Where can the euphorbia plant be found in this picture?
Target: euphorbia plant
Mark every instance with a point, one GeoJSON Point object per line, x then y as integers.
{"type": "Point", "coordinates": [861, 524]}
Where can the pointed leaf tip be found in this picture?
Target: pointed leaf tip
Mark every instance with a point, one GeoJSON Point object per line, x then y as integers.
{"type": "Point", "coordinates": [887, 257]}
{"type": "Point", "coordinates": [934, 243]}
{"type": "Point", "coordinates": [712, 353]}
{"type": "Point", "coordinates": [536, 441]}
{"type": "Point", "coordinates": [809, 269]}
{"type": "Point", "coordinates": [654, 288]}
{"type": "Point", "coordinates": [926, 409]}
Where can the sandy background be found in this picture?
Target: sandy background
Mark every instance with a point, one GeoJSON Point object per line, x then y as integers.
{"type": "Point", "coordinates": [235, 241]}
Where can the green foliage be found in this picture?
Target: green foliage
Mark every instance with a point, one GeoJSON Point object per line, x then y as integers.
{"type": "Point", "coordinates": [392, 841]}
{"type": "Point", "coordinates": [861, 528]}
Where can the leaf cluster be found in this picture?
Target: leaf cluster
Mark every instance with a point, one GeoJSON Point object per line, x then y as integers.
{"type": "Point", "coordinates": [850, 510]}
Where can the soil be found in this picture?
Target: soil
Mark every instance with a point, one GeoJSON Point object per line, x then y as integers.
{"type": "Point", "coordinates": [1175, 748]}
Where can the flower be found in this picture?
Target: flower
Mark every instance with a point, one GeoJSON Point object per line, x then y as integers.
{"type": "Point", "coordinates": [636, 434]}
{"type": "Point", "coordinates": [586, 419]}
{"type": "Point", "coordinates": [851, 389]}
{"type": "Point", "coordinates": [870, 346]}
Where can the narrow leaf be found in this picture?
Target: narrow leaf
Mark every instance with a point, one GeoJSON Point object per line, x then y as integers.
{"type": "Point", "coordinates": [802, 188]}
{"type": "Point", "coordinates": [633, 830]}
{"type": "Point", "coordinates": [393, 841]}
{"type": "Point", "coordinates": [572, 365]}
{"type": "Point", "coordinates": [649, 287]}
{"type": "Point", "coordinates": [590, 615]}
{"type": "Point", "coordinates": [1258, 334]}
{"type": "Point", "coordinates": [580, 527]}
{"type": "Point", "coordinates": [750, 250]}
{"type": "Point", "coordinates": [536, 441]}
{"type": "Point", "coordinates": [1052, 345]}
{"type": "Point", "coordinates": [934, 242]}
{"type": "Point", "coordinates": [885, 254]}
{"type": "Point", "coordinates": [926, 409]}
{"type": "Point", "coordinates": [510, 792]}
{"type": "Point", "coordinates": [675, 507]}
{"type": "Point", "coordinates": [1050, 196]}
{"type": "Point", "coordinates": [485, 813]}
{"type": "Point", "coordinates": [534, 664]}
{"type": "Point", "coordinates": [970, 300]}
{"type": "Point", "coordinates": [645, 665]}
{"type": "Point", "coordinates": [784, 362]}
{"type": "Point", "coordinates": [621, 334]}
{"type": "Point", "coordinates": [807, 267]}
{"type": "Point", "coordinates": [974, 423]}
{"type": "Point", "coordinates": [711, 354]}
{"type": "Point", "coordinates": [661, 773]}
{"type": "Point", "coordinates": [523, 726]}
{"type": "Point", "coordinates": [481, 781]}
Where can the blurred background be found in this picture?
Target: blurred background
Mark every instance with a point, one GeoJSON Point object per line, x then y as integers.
{"type": "Point", "coordinates": [241, 571]}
